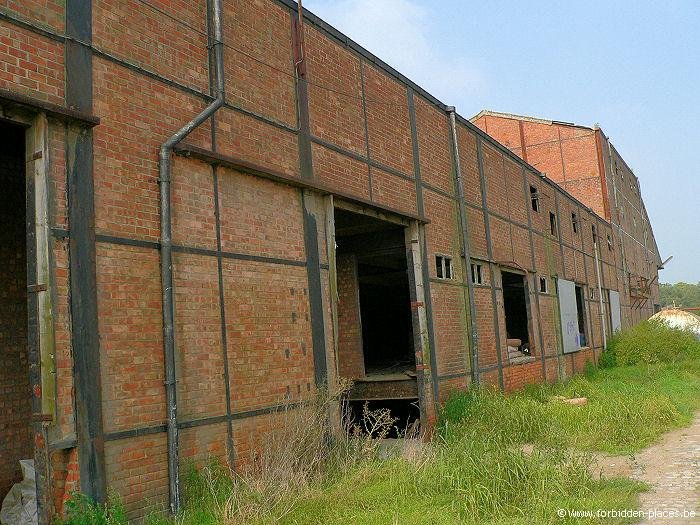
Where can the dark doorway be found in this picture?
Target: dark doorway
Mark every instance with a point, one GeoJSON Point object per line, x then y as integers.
{"type": "Point", "coordinates": [515, 307]}
{"type": "Point", "coordinates": [15, 396]}
{"type": "Point", "coordinates": [581, 314]}
{"type": "Point", "coordinates": [377, 252]}
{"type": "Point", "coordinates": [375, 321]}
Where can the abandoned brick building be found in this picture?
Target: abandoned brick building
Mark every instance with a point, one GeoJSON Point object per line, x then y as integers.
{"type": "Point", "coordinates": [583, 161]}
{"type": "Point", "coordinates": [220, 207]}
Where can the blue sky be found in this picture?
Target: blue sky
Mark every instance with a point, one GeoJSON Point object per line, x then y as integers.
{"type": "Point", "coordinates": [633, 67]}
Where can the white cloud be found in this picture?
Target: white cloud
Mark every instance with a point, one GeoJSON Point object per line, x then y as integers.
{"type": "Point", "coordinates": [404, 34]}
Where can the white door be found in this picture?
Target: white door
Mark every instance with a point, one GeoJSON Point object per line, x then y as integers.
{"type": "Point", "coordinates": [615, 313]}
{"type": "Point", "coordinates": [569, 315]}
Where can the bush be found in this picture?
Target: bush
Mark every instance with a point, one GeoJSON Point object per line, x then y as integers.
{"type": "Point", "coordinates": [81, 510]}
{"type": "Point", "coordinates": [650, 342]}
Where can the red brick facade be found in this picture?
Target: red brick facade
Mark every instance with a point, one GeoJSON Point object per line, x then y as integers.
{"type": "Point", "coordinates": [584, 162]}
{"type": "Point", "coordinates": [253, 229]}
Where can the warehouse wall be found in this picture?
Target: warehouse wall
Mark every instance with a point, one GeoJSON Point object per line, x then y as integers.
{"type": "Point", "coordinates": [248, 320]}
{"type": "Point", "coordinates": [575, 157]}
{"type": "Point", "coordinates": [634, 238]}
{"type": "Point", "coordinates": [566, 153]}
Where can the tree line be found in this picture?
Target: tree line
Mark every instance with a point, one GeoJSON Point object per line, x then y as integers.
{"type": "Point", "coordinates": [686, 295]}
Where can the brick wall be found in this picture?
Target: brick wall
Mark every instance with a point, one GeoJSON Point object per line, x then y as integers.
{"type": "Point", "coordinates": [351, 360]}
{"type": "Point", "coordinates": [15, 394]}
{"type": "Point", "coordinates": [31, 64]}
{"type": "Point", "coordinates": [243, 300]}
{"type": "Point", "coordinates": [584, 163]}
{"type": "Point", "coordinates": [565, 153]}
{"type": "Point", "coordinates": [65, 477]}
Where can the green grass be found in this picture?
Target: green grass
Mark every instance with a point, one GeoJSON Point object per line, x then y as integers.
{"type": "Point", "coordinates": [475, 471]}
{"type": "Point", "coordinates": [479, 473]}
{"type": "Point", "coordinates": [463, 481]}
{"type": "Point", "coordinates": [467, 482]}
{"type": "Point", "coordinates": [628, 408]}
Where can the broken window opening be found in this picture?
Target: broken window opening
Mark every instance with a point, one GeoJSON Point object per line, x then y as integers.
{"type": "Point", "coordinates": [534, 198]}
{"type": "Point", "coordinates": [574, 222]}
{"type": "Point", "coordinates": [581, 314]}
{"type": "Point", "coordinates": [16, 415]}
{"type": "Point", "coordinates": [544, 288]}
{"type": "Point", "coordinates": [552, 223]}
{"type": "Point", "coordinates": [383, 418]}
{"type": "Point", "coordinates": [516, 312]}
{"type": "Point", "coordinates": [443, 267]}
{"type": "Point", "coordinates": [477, 276]}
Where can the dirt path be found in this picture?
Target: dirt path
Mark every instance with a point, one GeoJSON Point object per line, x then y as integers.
{"type": "Point", "coordinates": [672, 468]}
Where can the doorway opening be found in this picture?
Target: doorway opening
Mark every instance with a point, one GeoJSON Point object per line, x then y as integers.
{"type": "Point", "coordinates": [15, 401]}
{"type": "Point", "coordinates": [375, 321]}
{"type": "Point", "coordinates": [581, 315]}
{"type": "Point", "coordinates": [516, 313]}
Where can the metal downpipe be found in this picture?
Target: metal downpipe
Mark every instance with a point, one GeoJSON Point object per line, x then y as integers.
{"type": "Point", "coordinates": [166, 263]}
{"type": "Point", "coordinates": [600, 295]}
{"type": "Point", "coordinates": [473, 334]}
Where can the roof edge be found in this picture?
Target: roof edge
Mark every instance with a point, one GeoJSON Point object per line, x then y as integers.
{"type": "Point", "coordinates": [526, 118]}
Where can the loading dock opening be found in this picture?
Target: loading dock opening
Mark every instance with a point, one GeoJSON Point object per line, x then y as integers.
{"type": "Point", "coordinates": [516, 313]}
{"type": "Point", "coordinates": [375, 338]}
{"type": "Point", "coordinates": [15, 398]}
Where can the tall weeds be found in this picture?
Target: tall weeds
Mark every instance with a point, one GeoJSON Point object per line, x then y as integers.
{"type": "Point", "coordinates": [313, 443]}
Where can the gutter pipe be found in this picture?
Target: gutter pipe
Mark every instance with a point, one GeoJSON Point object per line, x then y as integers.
{"type": "Point", "coordinates": [166, 263]}
{"type": "Point", "coordinates": [473, 334]}
{"type": "Point", "coordinates": [600, 294]}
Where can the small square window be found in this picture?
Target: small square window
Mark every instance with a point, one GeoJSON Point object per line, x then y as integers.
{"type": "Point", "coordinates": [534, 198]}
{"type": "Point", "coordinates": [552, 224]}
{"type": "Point", "coordinates": [477, 276]}
{"type": "Point", "coordinates": [574, 221]}
{"type": "Point", "coordinates": [443, 267]}
{"type": "Point", "coordinates": [544, 288]}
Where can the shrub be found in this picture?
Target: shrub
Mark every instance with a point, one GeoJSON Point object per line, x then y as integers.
{"type": "Point", "coordinates": [650, 342]}
{"type": "Point", "coordinates": [81, 510]}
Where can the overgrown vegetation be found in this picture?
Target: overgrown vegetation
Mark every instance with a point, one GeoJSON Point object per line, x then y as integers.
{"type": "Point", "coordinates": [627, 409]}
{"type": "Point", "coordinates": [650, 342]}
{"type": "Point", "coordinates": [495, 459]}
{"type": "Point", "coordinates": [80, 510]}
{"type": "Point", "coordinates": [686, 295]}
